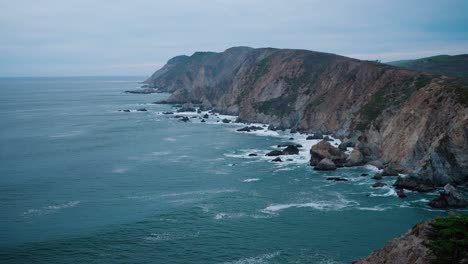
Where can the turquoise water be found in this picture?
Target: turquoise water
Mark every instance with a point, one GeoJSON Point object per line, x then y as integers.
{"type": "Point", "coordinates": [82, 182]}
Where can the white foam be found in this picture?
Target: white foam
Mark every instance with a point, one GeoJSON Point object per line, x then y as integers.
{"type": "Point", "coordinates": [50, 208]}
{"type": "Point", "coordinates": [260, 259]}
{"type": "Point", "coordinates": [171, 139]}
{"type": "Point", "coordinates": [318, 205]}
{"type": "Point", "coordinates": [251, 180]}
{"type": "Point", "coordinates": [68, 134]}
{"type": "Point", "coordinates": [120, 170]}
{"type": "Point", "coordinates": [390, 192]}
{"type": "Point", "coordinates": [375, 208]}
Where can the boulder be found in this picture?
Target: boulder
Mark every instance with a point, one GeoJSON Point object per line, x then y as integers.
{"type": "Point", "coordinates": [274, 153]}
{"type": "Point", "coordinates": [317, 135]}
{"type": "Point", "coordinates": [249, 128]}
{"type": "Point", "coordinates": [323, 150]}
{"type": "Point", "coordinates": [142, 110]}
{"type": "Point", "coordinates": [289, 144]}
{"type": "Point", "coordinates": [401, 193]}
{"type": "Point", "coordinates": [272, 128]}
{"type": "Point", "coordinates": [185, 119]}
{"type": "Point", "coordinates": [392, 170]}
{"type": "Point", "coordinates": [206, 116]}
{"type": "Point", "coordinates": [336, 179]}
{"type": "Point", "coordinates": [291, 150]}
{"type": "Point", "coordinates": [199, 111]}
{"type": "Point", "coordinates": [378, 185]}
{"type": "Point", "coordinates": [355, 159]}
{"type": "Point", "coordinates": [252, 155]}
{"type": "Point", "coordinates": [126, 111]}
{"type": "Point", "coordinates": [377, 176]}
{"type": "Point", "coordinates": [187, 107]}
{"type": "Point", "coordinates": [414, 184]}
{"type": "Point", "coordinates": [345, 145]}
{"type": "Point", "coordinates": [226, 121]}
{"type": "Point", "coordinates": [325, 164]}
{"type": "Point", "coordinates": [293, 131]}
{"type": "Point", "coordinates": [364, 174]}
{"type": "Point", "coordinates": [376, 163]}
{"type": "Point", "coordinates": [278, 159]}
{"type": "Point", "coordinates": [203, 121]}
{"type": "Point", "coordinates": [449, 198]}
{"type": "Point", "coordinates": [327, 138]}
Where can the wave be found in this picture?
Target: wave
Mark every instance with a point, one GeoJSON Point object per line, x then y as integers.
{"type": "Point", "coordinates": [120, 170]}
{"type": "Point", "coordinates": [375, 208]}
{"type": "Point", "coordinates": [251, 180]}
{"type": "Point", "coordinates": [220, 216]}
{"type": "Point", "coordinates": [318, 205]}
{"type": "Point", "coordinates": [390, 192]}
{"type": "Point", "coordinates": [260, 259]}
{"type": "Point", "coordinates": [50, 208]}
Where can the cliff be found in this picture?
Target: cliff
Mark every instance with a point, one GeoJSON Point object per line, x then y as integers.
{"type": "Point", "coordinates": [440, 240]}
{"type": "Point", "coordinates": [456, 66]}
{"type": "Point", "coordinates": [417, 120]}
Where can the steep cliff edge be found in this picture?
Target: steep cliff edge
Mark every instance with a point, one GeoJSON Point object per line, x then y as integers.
{"type": "Point", "coordinates": [417, 120]}
{"type": "Point", "coordinates": [440, 240]}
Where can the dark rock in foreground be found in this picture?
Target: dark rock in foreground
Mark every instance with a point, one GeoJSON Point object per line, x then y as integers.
{"type": "Point", "coordinates": [413, 184]}
{"type": "Point", "coordinates": [449, 198]}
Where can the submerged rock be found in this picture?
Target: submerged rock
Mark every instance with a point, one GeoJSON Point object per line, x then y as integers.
{"type": "Point", "coordinates": [377, 176]}
{"type": "Point", "coordinates": [325, 164]}
{"type": "Point", "coordinates": [167, 113]}
{"type": "Point", "coordinates": [278, 159]}
{"type": "Point", "coordinates": [142, 110]}
{"type": "Point", "coordinates": [379, 185]}
{"type": "Point", "coordinates": [249, 128]}
{"type": "Point", "coordinates": [206, 116]}
{"type": "Point", "coordinates": [364, 174]}
{"type": "Point", "coordinates": [252, 155]}
{"type": "Point", "coordinates": [126, 111]}
{"type": "Point", "coordinates": [401, 193]}
{"type": "Point", "coordinates": [336, 179]}
{"type": "Point", "coordinates": [185, 119]}
{"type": "Point", "coordinates": [203, 121]}
{"type": "Point", "coordinates": [449, 198]}
{"type": "Point", "coordinates": [225, 120]}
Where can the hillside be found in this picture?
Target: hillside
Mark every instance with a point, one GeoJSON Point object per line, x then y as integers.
{"type": "Point", "coordinates": [455, 66]}
{"type": "Point", "coordinates": [413, 119]}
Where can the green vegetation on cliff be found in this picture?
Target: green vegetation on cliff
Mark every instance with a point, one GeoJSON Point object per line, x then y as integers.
{"type": "Point", "coordinates": [450, 242]}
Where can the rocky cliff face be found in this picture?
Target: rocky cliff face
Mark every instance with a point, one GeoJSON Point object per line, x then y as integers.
{"type": "Point", "coordinates": [417, 120]}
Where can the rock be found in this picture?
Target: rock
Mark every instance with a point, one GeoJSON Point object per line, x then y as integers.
{"type": "Point", "coordinates": [226, 121]}
{"type": "Point", "coordinates": [252, 155]}
{"type": "Point", "coordinates": [327, 138]}
{"type": "Point", "coordinates": [449, 198]}
{"type": "Point", "coordinates": [323, 150]}
{"type": "Point", "coordinates": [336, 179]}
{"type": "Point", "coordinates": [401, 193]}
{"type": "Point", "coordinates": [293, 131]}
{"type": "Point", "coordinates": [345, 145]}
{"type": "Point", "coordinates": [364, 174]}
{"type": "Point", "coordinates": [289, 144]}
{"type": "Point", "coordinates": [199, 111]}
{"type": "Point", "coordinates": [378, 185]}
{"type": "Point", "coordinates": [167, 113]}
{"type": "Point", "coordinates": [413, 184]}
{"type": "Point", "coordinates": [291, 138]}
{"type": "Point", "coordinates": [291, 150]}
{"type": "Point", "coordinates": [376, 163]}
{"type": "Point", "coordinates": [203, 121]}
{"type": "Point", "coordinates": [315, 136]}
{"type": "Point", "coordinates": [274, 153]}
{"type": "Point", "coordinates": [126, 111]}
{"type": "Point", "coordinates": [249, 128]}
{"type": "Point", "coordinates": [185, 119]}
{"type": "Point", "coordinates": [289, 160]}
{"type": "Point", "coordinates": [272, 128]}
{"type": "Point", "coordinates": [142, 110]}
{"type": "Point", "coordinates": [377, 176]}
{"type": "Point", "coordinates": [278, 159]}
{"type": "Point", "coordinates": [325, 164]}
{"type": "Point", "coordinates": [355, 159]}
{"type": "Point", "coordinates": [392, 170]}
{"type": "Point", "coordinates": [142, 91]}
{"type": "Point", "coordinates": [188, 107]}
{"type": "Point", "coordinates": [193, 117]}
{"type": "Point", "coordinates": [206, 116]}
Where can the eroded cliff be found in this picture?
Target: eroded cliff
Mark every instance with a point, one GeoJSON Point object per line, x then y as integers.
{"type": "Point", "coordinates": [417, 120]}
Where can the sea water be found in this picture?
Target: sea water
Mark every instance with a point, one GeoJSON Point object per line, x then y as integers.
{"type": "Point", "coordinates": [82, 182]}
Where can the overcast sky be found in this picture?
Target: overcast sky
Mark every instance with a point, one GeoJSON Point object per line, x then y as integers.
{"type": "Point", "coordinates": [100, 37]}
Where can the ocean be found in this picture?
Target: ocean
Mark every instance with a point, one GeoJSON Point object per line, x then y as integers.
{"type": "Point", "coordinates": [82, 182]}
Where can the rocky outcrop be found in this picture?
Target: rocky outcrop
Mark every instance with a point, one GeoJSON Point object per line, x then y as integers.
{"type": "Point", "coordinates": [414, 184]}
{"type": "Point", "coordinates": [355, 158]}
{"type": "Point", "coordinates": [416, 120]}
{"type": "Point", "coordinates": [409, 248]}
{"type": "Point", "coordinates": [439, 240]}
{"type": "Point", "coordinates": [449, 198]}
{"type": "Point", "coordinates": [325, 150]}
